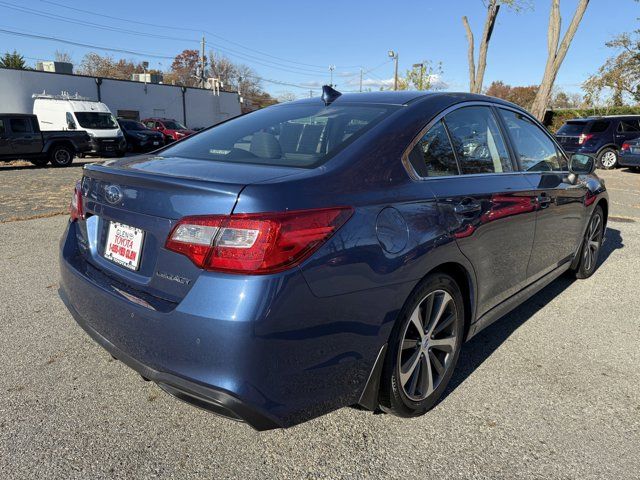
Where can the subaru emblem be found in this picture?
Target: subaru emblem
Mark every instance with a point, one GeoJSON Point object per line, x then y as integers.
{"type": "Point", "coordinates": [112, 194]}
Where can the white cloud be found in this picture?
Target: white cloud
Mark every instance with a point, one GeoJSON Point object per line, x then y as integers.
{"type": "Point", "coordinates": [437, 83]}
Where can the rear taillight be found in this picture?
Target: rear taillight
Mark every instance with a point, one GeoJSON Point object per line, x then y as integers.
{"type": "Point", "coordinates": [626, 147]}
{"type": "Point", "coordinates": [75, 208]}
{"type": "Point", "coordinates": [584, 138]}
{"type": "Point", "coordinates": [255, 243]}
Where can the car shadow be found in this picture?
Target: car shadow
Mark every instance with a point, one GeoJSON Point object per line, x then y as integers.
{"type": "Point", "coordinates": [480, 347]}
{"type": "Point", "coordinates": [75, 164]}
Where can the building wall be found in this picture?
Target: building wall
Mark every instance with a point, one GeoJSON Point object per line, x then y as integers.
{"type": "Point", "coordinates": [202, 107]}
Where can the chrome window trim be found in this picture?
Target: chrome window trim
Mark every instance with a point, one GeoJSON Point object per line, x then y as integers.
{"type": "Point", "coordinates": [414, 175]}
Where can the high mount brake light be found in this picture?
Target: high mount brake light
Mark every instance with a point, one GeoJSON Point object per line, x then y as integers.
{"type": "Point", "coordinates": [75, 207]}
{"type": "Point", "coordinates": [257, 243]}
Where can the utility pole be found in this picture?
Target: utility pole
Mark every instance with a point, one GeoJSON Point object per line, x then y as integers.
{"type": "Point", "coordinates": [421, 65]}
{"type": "Point", "coordinates": [394, 56]}
{"type": "Point", "coordinates": [360, 79]}
{"type": "Point", "coordinates": [202, 72]}
{"type": "Point", "coordinates": [331, 69]}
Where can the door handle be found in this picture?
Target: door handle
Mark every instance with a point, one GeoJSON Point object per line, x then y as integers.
{"type": "Point", "coordinates": [467, 208]}
{"type": "Point", "coordinates": [543, 200]}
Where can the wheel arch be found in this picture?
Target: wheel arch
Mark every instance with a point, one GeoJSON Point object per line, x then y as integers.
{"type": "Point", "coordinates": [465, 280]}
{"type": "Point", "coordinates": [56, 143]}
{"type": "Point", "coordinates": [604, 204]}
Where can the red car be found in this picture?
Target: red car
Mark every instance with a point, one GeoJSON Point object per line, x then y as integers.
{"type": "Point", "coordinates": [170, 128]}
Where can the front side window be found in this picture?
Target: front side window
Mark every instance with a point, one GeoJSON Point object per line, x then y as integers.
{"type": "Point", "coordinates": [433, 155]}
{"type": "Point", "coordinates": [96, 120]}
{"type": "Point", "coordinates": [536, 150]}
{"type": "Point", "coordinates": [477, 141]}
{"type": "Point", "coordinates": [20, 125]}
{"type": "Point", "coordinates": [303, 135]}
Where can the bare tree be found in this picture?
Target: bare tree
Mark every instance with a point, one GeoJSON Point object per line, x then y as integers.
{"type": "Point", "coordinates": [476, 75]}
{"type": "Point", "coordinates": [61, 56]}
{"type": "Point", "coordinates": [556, 52]}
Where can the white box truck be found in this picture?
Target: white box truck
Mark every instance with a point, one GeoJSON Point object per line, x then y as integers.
{"type": "Point", "coordinates": [67, 112]}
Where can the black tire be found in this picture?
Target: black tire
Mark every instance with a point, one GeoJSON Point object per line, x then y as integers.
{"type": "Point", "coordinates": [396, 393]}
{"type": "Point", "coordinates": [61, 156]}
{"type": "Point", "coordinates": [591, 243]}
{"type": "Point", "coordinates": [608, 158]}
{"type": "Point", "coordinates": [39, 162]}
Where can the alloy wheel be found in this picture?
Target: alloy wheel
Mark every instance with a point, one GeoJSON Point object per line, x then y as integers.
{"type": "Point", "coordinates": [428, 345]}
{"type": "Point", "coordinates": [593, 240]}
{"type": "Point", "coordinates": [62, 156]}
{"type": "Point", "coordinates": [608, 159]}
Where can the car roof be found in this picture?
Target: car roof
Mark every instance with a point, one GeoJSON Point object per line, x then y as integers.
{"type": "Point", "coordinates": [404, 97]}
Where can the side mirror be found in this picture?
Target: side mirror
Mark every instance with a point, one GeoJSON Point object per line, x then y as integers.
{"type": "Point", "coordinates": [581, 164]}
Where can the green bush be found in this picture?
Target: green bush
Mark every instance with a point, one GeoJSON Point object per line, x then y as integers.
{"type": "Point", "coordinates": [553, 119]}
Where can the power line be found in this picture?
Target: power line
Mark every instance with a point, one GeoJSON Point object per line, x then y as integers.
{"type": "Point", "coordinates": [225, 50]}
{"type": "Point", "coordinates": [85, 45]}
{"type": "Point", "coordinates": [191, 29]}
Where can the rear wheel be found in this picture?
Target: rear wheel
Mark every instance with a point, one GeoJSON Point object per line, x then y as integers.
{"type": "Point", "coordinates": [61, 156]}
{"type": "Point", "coordinates": [424, 348]}
{"type": "Point", "coordinates": [608, 159]}
{"type": "Point", "coordinates": [591, 244]}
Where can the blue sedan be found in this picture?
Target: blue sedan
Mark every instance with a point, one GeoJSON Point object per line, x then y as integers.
{"type": "Point", "coordinates": [630, 154]}
{"type": "Point", "coordinates": [326, 252]}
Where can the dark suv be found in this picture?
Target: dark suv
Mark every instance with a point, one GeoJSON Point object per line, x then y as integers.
{"type": "Point", "coordinates": [602, 136]}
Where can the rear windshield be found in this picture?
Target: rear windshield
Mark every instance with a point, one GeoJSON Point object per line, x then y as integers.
{"type": "Point", "coordinates": [96, 120]}
{"type": "Point", "coordinates": [572, 128]}
{"type": "Point", "coordinates": [288, 135]}
{"type": "Point", "coordinates": [599, 126]}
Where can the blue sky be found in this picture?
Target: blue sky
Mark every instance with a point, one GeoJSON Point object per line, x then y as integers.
{"type": "Point", "coordinates": [307, 37]}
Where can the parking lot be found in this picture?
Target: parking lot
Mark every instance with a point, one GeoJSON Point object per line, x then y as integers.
{"type": "Point", "coordinates": [550, 391]}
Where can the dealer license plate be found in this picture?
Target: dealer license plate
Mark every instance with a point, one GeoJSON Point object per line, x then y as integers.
{"type": "Point", "coordinates": [124, 245]}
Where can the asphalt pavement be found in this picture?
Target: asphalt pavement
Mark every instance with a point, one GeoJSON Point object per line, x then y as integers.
{"type": "Point", "coordinates": [550, 391]}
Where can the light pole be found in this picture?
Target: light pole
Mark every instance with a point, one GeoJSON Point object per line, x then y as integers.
{"type": "Point", "coordinates": [331, 69]}
{"type": "Point", "coordinates": [421, 65]}
{"type": "Point", "coordinates": [394, 56]}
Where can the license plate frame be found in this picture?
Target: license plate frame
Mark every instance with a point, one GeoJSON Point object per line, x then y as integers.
{"type": "Point", "coordinates": [123, 245]}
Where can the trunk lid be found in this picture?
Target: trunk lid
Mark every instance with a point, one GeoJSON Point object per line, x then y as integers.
{"type": "Point", "coordinates": [151, 194]}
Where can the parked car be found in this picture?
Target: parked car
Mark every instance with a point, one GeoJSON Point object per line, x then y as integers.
{"type": "Point", "coordinates": [21, 138]}
{"type": "Point", "coordinates": [602, 136]}
{"type": "Point", "coordinates": [140, 138]}
{"type": "Point", "coordinates": [630, 155]}
{"type": "Point", "coordinates": [64, 112]}
{"type": "Point", "coordinates": [326, 252]}
{"type": "Point", "coordinates": [170, 128]}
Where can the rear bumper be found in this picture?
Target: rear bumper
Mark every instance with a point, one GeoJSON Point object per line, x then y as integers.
{"type": "Point", "coordinates": [214, 400]}
{"type": "Point", "coordinates": [262, 349]}
{"type": "Point", "coordinates": [629, 160]}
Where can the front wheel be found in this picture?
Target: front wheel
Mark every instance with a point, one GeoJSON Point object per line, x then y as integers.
{"type": "Point", "coordinates": [424, 348]}
{"type": "Point", "coordinates": [61, 156]}
{"type": "Point", "coordinates": [591, 244]}
{"type": "Point", "coordinates": [608, 159]}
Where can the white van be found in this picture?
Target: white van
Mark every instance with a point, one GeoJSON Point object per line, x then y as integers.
{"type": "Point", "coordinates": [65, 112]}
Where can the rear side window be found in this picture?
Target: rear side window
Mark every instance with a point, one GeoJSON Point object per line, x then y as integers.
{"type": "Point", "coordinates": [536, 150]}
{"type": "Point", "coordinates": [20, 125]}
{"type": "Point", "coordinates": [628, 126]}
{"type": "Point", "coordinates": [572, 128]}
{"type": "Point", "coordinates": [302, 135]}
{"type": "Point", "coordinates": [599, 126]}
{"type": "Point", "coordinates": [477, 141]}
{"type": "Point", "coordinates": [433, 155]}
{"type": "Point", "coordinates": [2, 129]}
